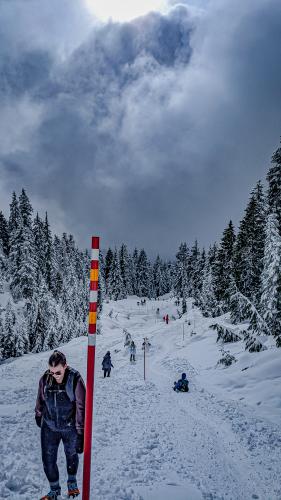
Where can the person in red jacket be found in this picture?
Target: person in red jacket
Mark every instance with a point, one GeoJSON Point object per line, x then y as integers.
{"type": "Point", "coordinates": [167, 318]}
{"type": "Point", "coordinates": [60, 413]}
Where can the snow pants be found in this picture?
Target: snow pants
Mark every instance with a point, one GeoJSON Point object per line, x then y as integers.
{"type": "Point", "coordinates": [50, 441]}
{"type": "Point", "coordinates": [133, 357]}
{"type": "Point", "coordinates": [106, 371]}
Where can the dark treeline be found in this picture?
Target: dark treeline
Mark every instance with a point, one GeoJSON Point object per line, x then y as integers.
{"type": "Point", "coordinates": [242, 273]}
{"type": "Point", "coordinates": [46, 281]}
{"type": "Point", "coordinates": [46, 277]}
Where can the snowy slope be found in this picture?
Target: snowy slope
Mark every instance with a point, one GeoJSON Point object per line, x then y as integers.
{"type": "Point", "coordinates": [222, 440]}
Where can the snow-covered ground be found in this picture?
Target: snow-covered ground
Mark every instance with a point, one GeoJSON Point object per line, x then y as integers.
{"type": "Point", "coordinates": [222, 440]}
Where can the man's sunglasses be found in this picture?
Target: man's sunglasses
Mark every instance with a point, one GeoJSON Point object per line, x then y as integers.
{"type": "Point", "coordinates": [55, 373]}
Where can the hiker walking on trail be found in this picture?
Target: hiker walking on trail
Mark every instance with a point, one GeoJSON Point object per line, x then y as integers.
{"type": "Point", "coordinates": [167, 319]}
{"type": "Point", "coordinates": [60, 413]}
{"type": "Point", "coordinates": [146, 344]}
{"type": "Point", "coordinates": [182, 384]}
{"type": "Point", "coordinates": [133, 351]}
{"type": "Point", "coordinates": [107, 365]}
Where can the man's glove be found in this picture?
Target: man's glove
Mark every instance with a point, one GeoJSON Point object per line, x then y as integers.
{"type": "Point", "coordinates": [80, 443]}
{"type": "Point", "coordinates": [38, 421]}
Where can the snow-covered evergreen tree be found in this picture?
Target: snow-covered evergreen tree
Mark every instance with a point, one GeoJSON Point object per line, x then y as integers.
{"type": "Point", "coordinates": [4, 234]}
{"type": "Point", "coordinates": [22, 262]}
{"type": "Point", "coordinates": [274, 186]}
{"type": "Point", "coordinates": [143, 275]}
{"type": "Point", "coordinates": [224, 266]}
{"type": "Point", "coordinates": [125, 270]}
{"type": "Point", "coordinates": [195, 278]}
{"type": "Point", "coordinates": [9, 338]}
{"type": "Point", "coordinates": [115, 287]}
{"type": "Point", "coordinates": [159, 279]}
{"type": "Point", "coordinates": [271, 277]}
{"type": "Point", "coordinates": [14, 217]}
{"type": "Point", "coordinates": [101, 284]}
{"type": "Point", "coordinates": [249, 248]}
{"type": "Point", "coordinates": [181, 282]}
{"type": "Point", "coordinates": [107, 268]}
{"type": "Point", "coordinates": [48, 251]}
{"type": "Point", "coordinates": [208, 301]}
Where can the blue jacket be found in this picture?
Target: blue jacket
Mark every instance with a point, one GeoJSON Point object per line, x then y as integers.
{"type": "Point", "coordinates": [182, 384]}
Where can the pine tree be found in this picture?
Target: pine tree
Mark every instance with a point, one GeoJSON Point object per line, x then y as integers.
{"type": "Point", "coordinates": [115, 284]}
{"type": "Point", "coordinates": [4, 234]}
{"type": "Point", "coordinates": [181, 282]}
{"type": "Point", "coordinates": [248, 253]}
{"type": "Point", "coordinates": [143, 275]}
{"type": "Point", "coordinates": [274, 186]}
{"type": "Point", "coordinates": [134, 264]}
{"type": "Point", "coordinates": [48, 250]}
{"type": "Point", "coordinates": [38, 233]}
{"type": "Point", "coordinates": [22, 264]}
{"type": "Point", "coordinates": [125, 270]}
{"type": "Point", "coordinates": [159, 278]}
{"type": "Point", "coordinates": [25, 209]}
{"type": "Point", "coordinates": [108, 265]}
{"type": "Point", "coordinates": [101, 284]}
{"type": "Point", "coordinates": [208, 301]}
{"type": "Point", "coordinates": [14, 217]}
{"type": "Point", "coordinates": [9, 338]}
{"type": "Point", "coordinates": [194, 273]}
{"type": "Point", "coordinates": [271, 277]}
{"type": "Point", "coordinates": [225, 266]}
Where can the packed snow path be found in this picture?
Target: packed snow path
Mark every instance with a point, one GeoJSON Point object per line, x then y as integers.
{"type": "Point", "coordinates": [149, 442]}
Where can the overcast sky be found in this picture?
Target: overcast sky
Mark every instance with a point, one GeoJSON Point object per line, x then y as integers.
{"type": "Point", "coordinates": [149, 130]}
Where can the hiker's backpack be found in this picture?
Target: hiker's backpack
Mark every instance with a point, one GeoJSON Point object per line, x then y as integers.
{"type": "Point", "coordinates": [70, 385]}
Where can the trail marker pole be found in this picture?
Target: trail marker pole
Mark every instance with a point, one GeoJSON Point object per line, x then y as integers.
{"type": "Point", "coordinates": [183, 331]}
{"type": "Point", "coordinates": [94, 273]}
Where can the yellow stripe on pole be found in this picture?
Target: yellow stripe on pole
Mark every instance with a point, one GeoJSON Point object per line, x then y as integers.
{"type": "Point", "coordinates": [94, 275]}
{"type": "Point", "coordinates": [92, 318]}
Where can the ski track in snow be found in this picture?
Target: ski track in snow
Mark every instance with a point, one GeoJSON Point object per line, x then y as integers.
{"type": "Point", "coordinates": [145, 434]}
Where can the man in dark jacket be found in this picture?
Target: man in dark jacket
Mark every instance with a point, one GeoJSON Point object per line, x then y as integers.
{"type": "Point", "coordinates": [60, 413]}
{"type": "Point", "coordinates": [107, 365]}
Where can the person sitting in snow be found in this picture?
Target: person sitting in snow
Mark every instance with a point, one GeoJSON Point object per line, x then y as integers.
{"type": "Point", "coordinates": [133, 351]}
{"type": "Point", "coordinates": [182, 384]}
{"type": "Point", "coordinates": [107, 365]}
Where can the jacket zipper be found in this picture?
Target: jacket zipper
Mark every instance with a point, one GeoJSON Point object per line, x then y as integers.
{"type": "Point", "coordinates": [56, 408]}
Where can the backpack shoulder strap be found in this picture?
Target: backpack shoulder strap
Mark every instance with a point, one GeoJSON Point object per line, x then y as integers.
{"type": "Point", "coordinates": [45, 381]}
{"type": "Point", "coordinates": [71, 383]}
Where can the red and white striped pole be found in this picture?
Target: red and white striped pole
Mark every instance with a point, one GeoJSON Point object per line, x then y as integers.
{"type": "Point", "coordinates": [94, 274]}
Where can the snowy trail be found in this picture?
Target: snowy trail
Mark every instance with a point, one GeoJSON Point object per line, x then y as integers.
{"type": "Point", "coordinates": [149, 442]}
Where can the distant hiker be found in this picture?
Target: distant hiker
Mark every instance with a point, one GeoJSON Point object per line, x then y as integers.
{"type": "Point", "coordinates": [167, 319]}
{"type": "Point", "coordinates": [157, 311]}
{"type": "Point", "coordinates": [138, 303]}
{"type": "Point", "coordinates": [146, 344]}
{"type": "Point", "coordinates": [128, 338]}
{"type": "Point", "coordinates": [182, 384]}
{"type": "Point", "coordinates": [60, 413]}
{"type": "Point", "coordinates": [164, 318]}
{"type": "Point", "coordinates": [133, 351]}
{"type": "Point", "coordinates": [107, 365]}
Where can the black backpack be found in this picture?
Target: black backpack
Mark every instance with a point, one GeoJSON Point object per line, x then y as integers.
{"type": "Point", "coordinates": [70, 385]}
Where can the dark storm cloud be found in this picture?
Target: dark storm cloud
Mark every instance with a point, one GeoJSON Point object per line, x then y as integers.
{"type": "Point", "coordinates": [153, 131]}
